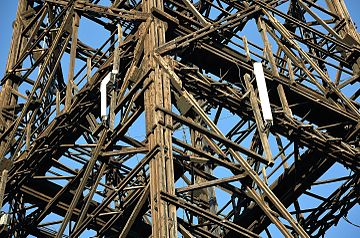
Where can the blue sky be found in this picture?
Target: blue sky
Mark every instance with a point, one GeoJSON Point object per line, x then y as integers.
{"type": "Point", "coordinates": [8, 11]}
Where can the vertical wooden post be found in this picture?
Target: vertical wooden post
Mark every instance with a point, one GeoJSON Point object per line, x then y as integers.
{"type": "Point", "coordinates": [88, 70]}
{"type": "Point", "coordinates": [6, 97]}
{"type": "Point", "coordinates": [291, 71]}
{"type": "Point", "coordinates": [112, 109]}
{"type": "Point", "coordinates": [205, 194]}
{"type": "Point", "coordinates": [158, 131]}
{"type": "Point", "coordinates": [5, 165]}
{"type": "Point", "coordinates": [17, 39]}
{"type": "Point", "coordinates": [74, 39]}
{"type": "Point", "coordinates": [259, 121]}
{"type": "Point", "coordinates": [246, 46]}
{"type": "Point", "coordinates": [58, 99]}
{"type": "Point", "coordinates": [120, 35]}
{"type": "Point", "coordinates": [271, 58]}
{"type": "Point", "coordinates": [3, 180]}
{"type": "Point", "coordinates": [17, 43]}
{"type": "Point", "coordinates": [28, 135]}
{"type": "Point", "coordinates": [115, 71]}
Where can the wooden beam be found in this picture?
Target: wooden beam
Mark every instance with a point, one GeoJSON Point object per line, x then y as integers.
{"type": "Point", "coordinates": [135, 212]}
{"type": "Point", "coordinates": [259, 121]}
{"type": "Point", "coordinates": [268, 48]}
{"type": "Point", "coordinates": [210, 183]}
{"type": "Point", "coordinates": [196, 13]}
{"type": "Point", "coordinates": [74, 39]}
{"type": "Point", "coordinates": [3, 180]}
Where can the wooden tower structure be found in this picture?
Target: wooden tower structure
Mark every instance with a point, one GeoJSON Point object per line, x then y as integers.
{"type": "Point", "coordinates": [184, 149]}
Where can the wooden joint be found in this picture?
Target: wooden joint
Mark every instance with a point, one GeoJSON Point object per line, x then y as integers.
{"type": "Point", "coordinates": [163, 16]}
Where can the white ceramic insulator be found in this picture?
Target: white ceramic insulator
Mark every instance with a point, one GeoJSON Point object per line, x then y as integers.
{"type": "Point", "coordinates": [263, 93]}
{"type": "Point", "coordinates": [103, 95]}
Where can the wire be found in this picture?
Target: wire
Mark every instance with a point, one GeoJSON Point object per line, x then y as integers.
{"type": "Point", "coordinates": [351, 223]}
